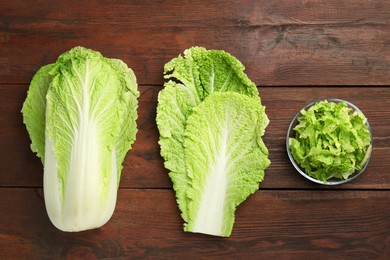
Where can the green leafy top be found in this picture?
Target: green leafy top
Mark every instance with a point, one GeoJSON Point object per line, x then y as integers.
{"type": "Point", "coordinates": [207, 71]}
{"type": "Point", "coordinates": [82, 84]}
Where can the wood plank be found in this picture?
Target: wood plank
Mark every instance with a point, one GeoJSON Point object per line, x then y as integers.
{"type": "Point", "coordinates": [282, 43]}
{"type": "Point", "coordinates": [146, 224]}
{"type": "Point", "coordinates": [200, 13]}
{"type": "Point", "coordinates": [143, 166]}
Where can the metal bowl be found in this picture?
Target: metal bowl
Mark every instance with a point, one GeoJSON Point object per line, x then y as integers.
{"type": "Point", "coordinates": [291, 133]}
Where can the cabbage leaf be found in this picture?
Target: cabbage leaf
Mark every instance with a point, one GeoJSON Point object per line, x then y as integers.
{"type": "Point", "coordinates": [225, 159]}
{"type": "Point", "coordinates": [191, 79]}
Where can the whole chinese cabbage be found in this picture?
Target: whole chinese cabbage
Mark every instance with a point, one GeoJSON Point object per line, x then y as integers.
{"type": "Point", "coordinates": [81, 114]}
{"type": "Point", "coordinates": [211, 121]}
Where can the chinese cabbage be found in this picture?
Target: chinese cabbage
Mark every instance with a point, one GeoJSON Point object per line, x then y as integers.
{"type": "Point", "coordinates": [81, 117]}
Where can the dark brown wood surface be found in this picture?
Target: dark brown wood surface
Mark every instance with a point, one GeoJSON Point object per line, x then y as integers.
{"type": "Point", "coordinates": [295, 51]}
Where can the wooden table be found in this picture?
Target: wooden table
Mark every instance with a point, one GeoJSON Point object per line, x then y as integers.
{"type": "Point", "coordinates": [295, 51]}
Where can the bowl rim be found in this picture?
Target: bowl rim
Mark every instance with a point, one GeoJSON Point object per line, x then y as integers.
{"type": "Point", "coordinates": [295, 164]}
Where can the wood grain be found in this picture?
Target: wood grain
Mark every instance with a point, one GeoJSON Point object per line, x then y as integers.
{"type": "Point", "coordinates": [295, 51]}
{"type": "Point", "coordinates": [146, 224]}
{"type": "Point", "coordinates": [280, 42]}
{"type": "Point", "coordinates": [143, 166]}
